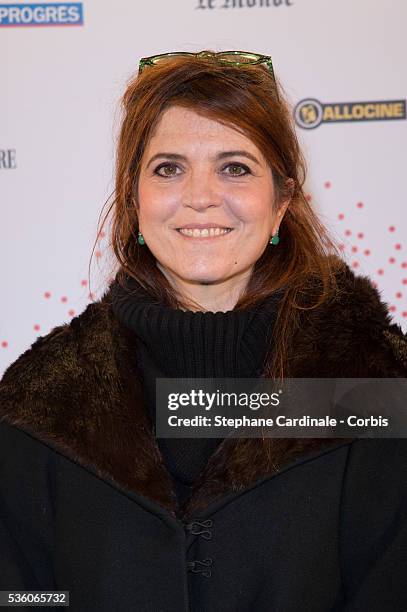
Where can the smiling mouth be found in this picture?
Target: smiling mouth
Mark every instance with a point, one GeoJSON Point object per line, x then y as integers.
{"type": "Point", "coordinates": [211, 232]}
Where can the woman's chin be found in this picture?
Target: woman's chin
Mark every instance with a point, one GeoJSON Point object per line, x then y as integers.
{"type": "Point", "coordinates": [204, 274]}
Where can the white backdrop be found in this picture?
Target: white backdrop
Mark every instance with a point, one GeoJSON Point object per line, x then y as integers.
{"type": "Point", "coordinates": [61, 83]}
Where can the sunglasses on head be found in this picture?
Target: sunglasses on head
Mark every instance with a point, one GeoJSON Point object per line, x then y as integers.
{"type": "Point", "coordinates": [231, 58]}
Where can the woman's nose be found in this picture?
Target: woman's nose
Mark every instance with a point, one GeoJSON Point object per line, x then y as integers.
{"type": "Point", "coordinates": [201, 191]}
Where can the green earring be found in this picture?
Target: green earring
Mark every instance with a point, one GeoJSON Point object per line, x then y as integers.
{"type": "Point", "coordinates": [275, 239]}
{"type": "Point", "coordinates": [140, 238]}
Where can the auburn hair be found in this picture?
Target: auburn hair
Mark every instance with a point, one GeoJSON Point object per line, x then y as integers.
{"type": "Point", "coordinates": [305, 263]}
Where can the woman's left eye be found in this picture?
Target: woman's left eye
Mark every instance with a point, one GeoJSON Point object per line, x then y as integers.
{"type": "Point", "coordinates": [237, 169]}
{"type": "Point", "coordinates": [166, 170]}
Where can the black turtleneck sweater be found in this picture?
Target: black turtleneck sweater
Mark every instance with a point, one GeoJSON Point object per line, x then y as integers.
{"type": "Point", "coordinates": [184, 344]}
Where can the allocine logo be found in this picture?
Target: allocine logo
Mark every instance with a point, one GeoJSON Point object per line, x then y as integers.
{"type": "Point", "coordinates": [8, 159]}
{"type": "Point", "coordinates": [50, 14]}
{"type": "Point", "coordinates": [310, 113]}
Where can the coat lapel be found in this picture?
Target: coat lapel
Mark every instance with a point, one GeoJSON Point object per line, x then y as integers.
{"type": "Point", "coordinates": [78, 390]}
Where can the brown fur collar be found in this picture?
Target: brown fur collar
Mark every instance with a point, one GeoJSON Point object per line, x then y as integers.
{"type": "Point", "coordinates": [78, 391]}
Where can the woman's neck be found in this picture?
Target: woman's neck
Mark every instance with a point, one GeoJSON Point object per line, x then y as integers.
{"type": "Point", "coordinates": [216, 296]}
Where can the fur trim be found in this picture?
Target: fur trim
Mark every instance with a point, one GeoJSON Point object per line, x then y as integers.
{"type": "Point", "coordinates": [78, 390]}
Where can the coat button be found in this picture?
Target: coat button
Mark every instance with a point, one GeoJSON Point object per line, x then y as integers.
{"type": "Point", "coordinates": [195, 527]}
{"type": "Point", "coordinates": [200, 567]}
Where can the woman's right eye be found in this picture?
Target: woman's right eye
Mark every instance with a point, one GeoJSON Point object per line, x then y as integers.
{"type": "Point", "coordinates": [166, 170]}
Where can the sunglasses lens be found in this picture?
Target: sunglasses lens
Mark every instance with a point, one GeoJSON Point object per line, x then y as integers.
{"type": "Point", "coordinates": [157, 59]}
{"type": "Point", "coordinates": [238, 58]}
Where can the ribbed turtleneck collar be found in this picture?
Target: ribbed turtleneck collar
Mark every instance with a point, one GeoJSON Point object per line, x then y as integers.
{"type": "Point", "coordinates": [188, 344]}
{"type": "Point", "coordinates": [173, 343]}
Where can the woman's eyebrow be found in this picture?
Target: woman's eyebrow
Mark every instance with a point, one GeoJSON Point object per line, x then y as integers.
{"type": "Point", "coordinates": [173, 156]}
{"type": "Point", "coordinates": [239, 154]}
{"type": "Point", "coordinates": [218, 156]}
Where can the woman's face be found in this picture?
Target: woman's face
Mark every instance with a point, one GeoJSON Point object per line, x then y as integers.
{"type": "Point", "coordinates": [196, 173]}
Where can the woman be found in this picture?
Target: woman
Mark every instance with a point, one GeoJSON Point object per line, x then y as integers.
{"type": "Point", "coordinates": [91, 501]}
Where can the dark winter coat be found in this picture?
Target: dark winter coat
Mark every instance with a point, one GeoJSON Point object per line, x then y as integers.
{"type": "Point", "coordinates": [87, 505]}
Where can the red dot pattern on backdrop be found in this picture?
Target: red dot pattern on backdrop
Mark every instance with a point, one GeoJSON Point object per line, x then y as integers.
{"type": "Point", "coordinates": [353, 249]}
{"type": "Point", "coordinates": [342, 247]}
{"type": "Point", "coordinates": [64, 299]}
